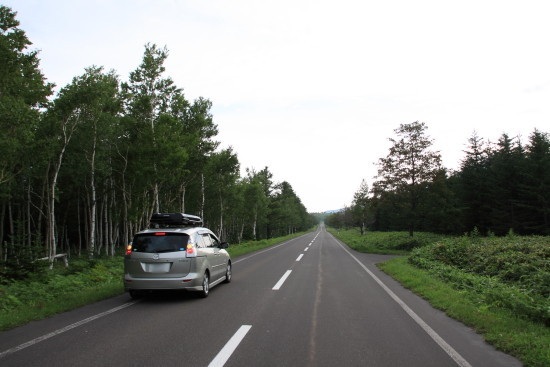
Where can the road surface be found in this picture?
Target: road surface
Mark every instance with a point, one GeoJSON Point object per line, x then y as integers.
{"type": "Point", "coordinates": [310, 301]}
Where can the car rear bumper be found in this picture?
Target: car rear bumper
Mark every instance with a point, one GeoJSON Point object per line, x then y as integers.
{"type": "Point", "coordinates": [191, 282]}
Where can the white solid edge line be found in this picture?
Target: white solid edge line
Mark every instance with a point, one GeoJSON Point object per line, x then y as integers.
{"type": "Point", "coordinates": [282, 280]}
{"type": "Point", "coordinates": [300, 257]}
{"type": "Point", "coordinates": [230, 347]}
{"type": "Point", "coordinates": [62, 330]}
{"type": "Point", "coordinates": [431, 332]}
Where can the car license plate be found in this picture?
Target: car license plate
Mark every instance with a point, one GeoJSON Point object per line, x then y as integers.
{"type": "Point", "coordinates": [157, 268]}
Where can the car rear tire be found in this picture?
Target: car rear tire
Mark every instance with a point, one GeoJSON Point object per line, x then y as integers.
{"type": "Point", "coordinates": [134, 294]}
{"type": "Point", "coordinates": [228, 274]}
{"type": "Point", "coordinates": [205, 286]}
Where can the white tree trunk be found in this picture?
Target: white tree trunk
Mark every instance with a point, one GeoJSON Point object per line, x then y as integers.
{"type": "Point", "coordinates": [93, 209]}
{"type": "Point", "coordinates": [203, 198]}
{"type": "Point", "coordinates": [67, 134]}
{"type": "Point", "coordinates": [254, 225]}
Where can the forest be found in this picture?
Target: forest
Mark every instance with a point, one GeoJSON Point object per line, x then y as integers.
{"type": "Point", "coordinates": [500, 188]}
{"type": "Point", "coordinates": [83, 169]}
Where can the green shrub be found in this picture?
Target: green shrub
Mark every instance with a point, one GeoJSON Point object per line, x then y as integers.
{"type": "Point", "coordinates": [520, 261]}
{"type": "Point", "coordinates": [35, 291]}
{"type": "Point", "coordinates": [22, 265]}
{"type": "Point", "coordinates": [511, 273]}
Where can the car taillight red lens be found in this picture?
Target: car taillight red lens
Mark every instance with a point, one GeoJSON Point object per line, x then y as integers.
{"type": "Point", "coordinates": [128, 249]}
{"type": "Point", "coordinates": [191, 250]}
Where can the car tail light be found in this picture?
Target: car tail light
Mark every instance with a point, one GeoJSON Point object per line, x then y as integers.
{"type": "Point", "coordinates": [129, 249]}
{"type": "Point", "coordinates": [191, 250]}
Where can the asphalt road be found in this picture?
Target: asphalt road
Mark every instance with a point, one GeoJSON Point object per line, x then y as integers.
{"type": "Point", "coordinates": [308, 302]}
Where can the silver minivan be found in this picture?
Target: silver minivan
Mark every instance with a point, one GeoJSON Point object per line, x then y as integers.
{"type": "Point", "coordinates": [177, 255]}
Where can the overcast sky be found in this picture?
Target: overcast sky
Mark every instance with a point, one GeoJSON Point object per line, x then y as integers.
{"type": "Point", "coordinates": [314, 89]}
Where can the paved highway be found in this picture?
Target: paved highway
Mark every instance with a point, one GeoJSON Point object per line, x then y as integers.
{"type": "Point", "coordinates": [310, 301]}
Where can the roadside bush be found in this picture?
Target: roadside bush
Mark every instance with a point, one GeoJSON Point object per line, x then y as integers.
{"type": "Point", "coordinates": [520, 261]}
{"type": "Point", "coordinates": [511, 272]}
{"type": "Point", "coordinates": [35, 291]}
{"type": "Point", "coordinates": [22, 265]}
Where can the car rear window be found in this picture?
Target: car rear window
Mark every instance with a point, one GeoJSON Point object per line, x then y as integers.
{"type": "Point", "coordinates": [160, 242]}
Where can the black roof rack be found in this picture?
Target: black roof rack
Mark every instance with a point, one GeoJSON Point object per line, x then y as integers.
{"type": "Point", "coordinates": [175, 219]}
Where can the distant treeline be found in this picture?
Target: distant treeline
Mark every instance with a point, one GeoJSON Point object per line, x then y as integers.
{"type": "Point", "coordinates": [500, 187]}
{"type": "Point", "coordinates": [85, 169]}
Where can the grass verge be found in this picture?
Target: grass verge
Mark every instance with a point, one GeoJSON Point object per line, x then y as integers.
{"type": "Point", "coordinates": [64, 302]}
{"type": "Point", "coordinates": [388, 243]}
{"type": "Point", "coordinates": [524, 339]}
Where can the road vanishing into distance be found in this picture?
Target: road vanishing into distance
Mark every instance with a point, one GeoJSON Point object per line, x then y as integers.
{"type": "Point", "coordinates": [310, 301]}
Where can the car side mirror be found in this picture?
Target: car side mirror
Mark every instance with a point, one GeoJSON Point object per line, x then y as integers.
{"type": "Point", "coordinates": [224, 245]}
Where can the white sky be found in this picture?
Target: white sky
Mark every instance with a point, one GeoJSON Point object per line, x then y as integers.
{"type": "Point", "coordinates": [314, 89]}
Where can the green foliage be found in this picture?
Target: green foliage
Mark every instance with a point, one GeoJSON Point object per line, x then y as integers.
{"type": "Point", "coordinates": [37, 291]}
{"type": "Point", "coordinates": [404, 173]}
{"type": "Point", "coordinates": [287, 214]}
{"type": "Point", "coordinates": [22, 265]}
{"type": "Point", "coordinates": [498, 187]}
{"type": "Point", "coordinates": [511, 272]}
{"type": "Point", "coordinates": [23, 91]}
{"type": "Point", "coordinates": [104, 154]}
{"type": "Point", "coordinates": [505, 186]}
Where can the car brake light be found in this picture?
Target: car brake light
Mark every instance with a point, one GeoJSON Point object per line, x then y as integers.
{"type": "Point", "coordinates": [160, 234]}
{"type": "Point", "coordinates": [129, 249]}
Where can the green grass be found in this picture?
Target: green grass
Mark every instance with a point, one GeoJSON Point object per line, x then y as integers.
{"type": "Point", "coordinates": [65, 302]}
{"type": "Point", "coordinates": [394, 243]}
{"type": "Point", "coordinates": [522, 262]}
{"type": "Point", "coordinates": [527, 340]}
{"type": "Point", "coordinates": [47, 293]}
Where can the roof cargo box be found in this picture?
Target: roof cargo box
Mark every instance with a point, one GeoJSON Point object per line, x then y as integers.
{"type": "Point", "coordinates": [175, 219]}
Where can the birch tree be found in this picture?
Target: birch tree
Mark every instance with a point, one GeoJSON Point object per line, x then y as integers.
{"type": "Point", "coordinates": [223, 171]}
{"type": "Point", "coordinates": [98, 96]}
{"type": "Point", "coordinates": [148, 96]}
{"type": "Point", "coordinates": [361, 206]}
{"type": "Point", "coordinates": [65, 122]}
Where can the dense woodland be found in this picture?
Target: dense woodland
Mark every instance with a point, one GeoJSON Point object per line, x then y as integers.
{"type": "Point", "coordinates": [500, 187]}
{"type": "Point", "coordinates": [82, 170]}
